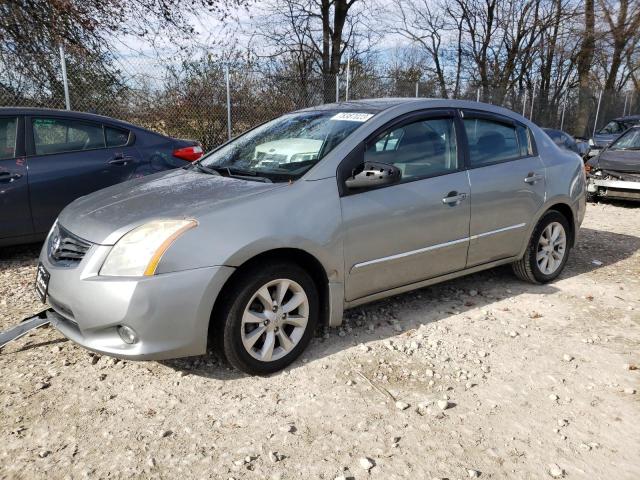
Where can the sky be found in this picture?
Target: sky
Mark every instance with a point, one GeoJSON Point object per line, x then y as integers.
{"type": "Point", "coordinates": [211, 33]}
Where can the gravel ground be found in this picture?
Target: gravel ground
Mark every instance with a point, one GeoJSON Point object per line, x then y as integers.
{"type": "Point", "coordinates": [482, 376]}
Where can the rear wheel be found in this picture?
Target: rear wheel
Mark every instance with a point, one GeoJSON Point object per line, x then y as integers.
{"type": "Point", "coordinates": [548, 250]}
{"type": "Point", "coordinates": [269, 318]}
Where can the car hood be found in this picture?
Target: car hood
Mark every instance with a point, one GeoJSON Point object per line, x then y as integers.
{"type": "Point", "coordinates": [104, 216]}
{"type": "Point", "coordinates": [620, 160]}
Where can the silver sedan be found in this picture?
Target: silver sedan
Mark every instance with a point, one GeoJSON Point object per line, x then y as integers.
{"type": "Point", "coordinates": [280, 229]}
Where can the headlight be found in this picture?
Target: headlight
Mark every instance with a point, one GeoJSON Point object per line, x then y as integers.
{"type": "Point", "coordinates": [138, 252]}
{"type": "Point", "coordinates": [592, 143]}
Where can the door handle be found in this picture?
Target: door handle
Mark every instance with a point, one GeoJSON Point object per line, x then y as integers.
{"type": "Point", "coordinates": [454, 198]}
{"type": "Point", "coordinates": [7, 177]}
{"type": "Point", "coordinates": [533, 178]}
{"type": "Point", "coordinates": [119, 159]}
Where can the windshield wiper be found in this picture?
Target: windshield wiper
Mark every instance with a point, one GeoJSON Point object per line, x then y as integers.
{"type": "Point", "coordinates": [227, 172]}
{"type": "Point", "coordinates": [205, 169]}
{"type": "Point", "coordinates": [246, 175]}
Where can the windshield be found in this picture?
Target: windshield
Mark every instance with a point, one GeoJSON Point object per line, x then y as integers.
{"type": "Point", "coordinates": [285, 148]}
{"type": "Point", "coordinates": [612, 127]}
{"type": "Point", "coordinates": [628, 141]}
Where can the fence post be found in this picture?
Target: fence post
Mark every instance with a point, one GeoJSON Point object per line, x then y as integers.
{"type": "Point", "coordinates": [624, 109]}
{"type": "Point", "coordinates": [65, 81]}
{"type": "Point", "coordinates": [533, 99]}
{"type": "Point", "coordinates": [226, 76]}
{"type": "Point", "coordinates": [337, 88]}
{"type": "Point", "coordinates": [478, 96]}
{"type": "Point", "coordinates": [524, 102]}
{"type": "Point", "coordinates": [417, 89]}
{"type": "Point", "coordinates": [564, 106]}
{"type": "Point", "coordinates": [595, 122]}
{"type": "Point", "coordinates": [346, 94]}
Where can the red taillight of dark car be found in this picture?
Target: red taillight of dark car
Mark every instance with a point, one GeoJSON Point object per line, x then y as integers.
{"type": "Point", "coordinates": [190, 154]}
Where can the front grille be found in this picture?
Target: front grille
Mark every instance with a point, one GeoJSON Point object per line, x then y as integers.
{"type": "Point", "coordinates": [66, 249]}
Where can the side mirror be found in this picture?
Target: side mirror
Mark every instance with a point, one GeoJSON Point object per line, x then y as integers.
{"type": "Point", "coordinates": [583, 148]}
{"type": "Point", "coordinates": [372, 174]}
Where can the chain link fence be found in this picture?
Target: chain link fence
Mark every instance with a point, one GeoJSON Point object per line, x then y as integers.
{"type": "Point", "coordinates": [208, 101]}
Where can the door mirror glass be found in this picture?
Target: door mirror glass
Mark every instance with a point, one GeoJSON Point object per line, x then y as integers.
{"type": "Point", "coordinates": [372, 174]}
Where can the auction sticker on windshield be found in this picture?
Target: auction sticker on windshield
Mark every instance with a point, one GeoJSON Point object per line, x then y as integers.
{"type": "Point", "coordinates": [352, 116]}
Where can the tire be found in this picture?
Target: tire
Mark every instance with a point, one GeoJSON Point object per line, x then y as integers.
{"type": "Point", "coordinates": [528, 267]}
{"type": "Point", "coordinates": [244, 312]}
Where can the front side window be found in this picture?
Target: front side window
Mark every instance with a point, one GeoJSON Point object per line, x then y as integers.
{"type": "Point", "coordinates": [419, 149]}
{"type": "Point", "coordinates": [628, 141]}
{"type": "Point", "coordinates": [491, 141]}
{"type": "Point", "coordinates": [8, 137]}
{"type": "Point", "coordinates": [53, 135]}
{"type": "Point", "coordinates": [285, 148]}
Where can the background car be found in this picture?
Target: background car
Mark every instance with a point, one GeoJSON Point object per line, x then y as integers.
{"type": "Point", "coordinates": [48, 158]}
{"type": "Point", "coordinates": [610, 132]}
{"type": "Point", "coordinates": [615, 173]}
{"type": "Point", "coordinates": [566, 141]}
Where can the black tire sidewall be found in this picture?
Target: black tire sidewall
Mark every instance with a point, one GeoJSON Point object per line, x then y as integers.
{"type": "Point", "coordinates": [549, 217]}
{"type": "Point", "coordinates": [245, 287]}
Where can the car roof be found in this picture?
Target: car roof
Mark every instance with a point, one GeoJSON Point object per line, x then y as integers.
{"type": "Point", "coordinates": [368, 105]}
{"type": "Point", "coordinates": [627, 118]}
{"type": "Point", "coordinates": [69, 114]}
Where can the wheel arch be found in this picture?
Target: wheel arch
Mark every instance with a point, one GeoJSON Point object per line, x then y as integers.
{"type": "Point", "coordinates": [297, 256]}
{"type": "Point", "coordinates": [566, 211]}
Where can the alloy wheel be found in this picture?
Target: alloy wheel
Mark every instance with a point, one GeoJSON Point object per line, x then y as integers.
{"type": "Point", "coordinates": [274, 320]}
{"type": "Point", "coordinates": [552, 247]}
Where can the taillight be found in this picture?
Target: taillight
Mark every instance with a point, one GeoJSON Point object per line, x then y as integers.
{"type": "Point", "coordinates": [190, 154]}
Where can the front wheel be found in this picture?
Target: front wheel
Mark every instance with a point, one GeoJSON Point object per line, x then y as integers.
{"type": "Point", "coordinates": [269, 318]}
{"type": "Point", "coordinates": [548, 250]}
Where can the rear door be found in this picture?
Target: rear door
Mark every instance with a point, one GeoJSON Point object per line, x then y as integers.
{"type": "Point", "coordinates": [507, 180]}
{"type": "Point", "coordinates": [15, 214]}
{"type": "Point", "coordinates": [69, 158]}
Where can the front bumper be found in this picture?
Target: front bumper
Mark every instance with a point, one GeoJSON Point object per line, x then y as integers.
{"type": "Point", "coordinates": [618, 189]}
{"type": "Point", "coordinates": [169, 312]}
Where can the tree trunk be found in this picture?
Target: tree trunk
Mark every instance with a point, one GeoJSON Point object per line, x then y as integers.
{"type": "Point", "coordinates": [584, 62]}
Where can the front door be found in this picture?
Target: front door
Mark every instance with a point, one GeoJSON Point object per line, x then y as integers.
{"type": "Point", "coordinates": [68, 159]}
{"type": "Point", "coordinates": [15, 214]}
{"type": "Point", "coordinates": [507, 185]}
{"type": "Point", "coordinates": [417, 228]}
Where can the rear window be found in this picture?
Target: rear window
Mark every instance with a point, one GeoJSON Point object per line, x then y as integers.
{"type": "Point", "coordinates": [54, 135]}
{"type": "Point", "coordinates": [8, 137]}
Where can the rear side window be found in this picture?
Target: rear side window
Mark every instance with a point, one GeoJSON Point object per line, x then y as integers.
{"type": "Point", "coordinates": [419, 149]}
{"type": "Point", "coordinates": [53, 135]}
{"type": "Point", "coordinates": [491, 141]}
{"type": "Point", "coordinates": [116, 137]}
{"type": "Point", "coordinates": [8, 137]}
{"type": "Point", "coordinates": [526, 142]}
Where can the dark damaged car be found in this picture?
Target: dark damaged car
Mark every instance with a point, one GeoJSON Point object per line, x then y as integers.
{"type": "Point", "coordinates": [615, 173]}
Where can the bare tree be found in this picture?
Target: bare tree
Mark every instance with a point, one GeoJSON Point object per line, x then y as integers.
{"type": "Point", "coordinates": [623, 26]}
{"type": "Point", "coordinates": [315, 31]}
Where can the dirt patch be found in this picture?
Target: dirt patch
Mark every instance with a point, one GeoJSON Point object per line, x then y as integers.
{"type": "Point", "coordinates": [482, 376]}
